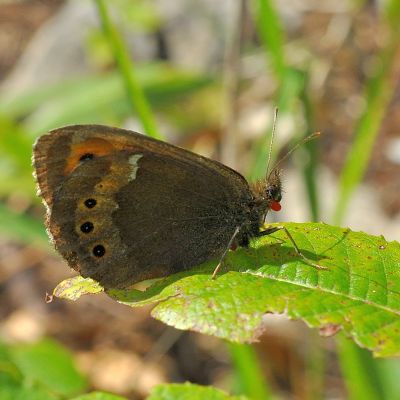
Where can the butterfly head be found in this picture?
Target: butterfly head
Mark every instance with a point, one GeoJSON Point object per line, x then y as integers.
{"type": "Point", "coordinates": [268, 193]}
{"type": "Point", "coordinates": [273, 191]}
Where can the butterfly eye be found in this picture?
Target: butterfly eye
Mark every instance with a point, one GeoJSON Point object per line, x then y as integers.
{"type": "Point", "coordinates": [274, 193]}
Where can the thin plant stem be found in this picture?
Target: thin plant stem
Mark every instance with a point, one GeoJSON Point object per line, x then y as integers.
{"type": "Point", "coordinates": [127, 69]}
{"type": "Point", "coordinates": [249, 376]}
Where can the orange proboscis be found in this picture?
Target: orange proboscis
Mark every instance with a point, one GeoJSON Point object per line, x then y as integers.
{"type": "Point", "coordinates": [96, 146]}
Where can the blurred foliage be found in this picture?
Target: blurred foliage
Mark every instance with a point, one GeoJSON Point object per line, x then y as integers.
{"type": "Point", "coordinates": [127, 69]}
{"type": "Point", "coordinates": [379, 92]}
{"type": "Point", "coordinates": [189, 391]}
{"type": "Point", "coordinates": [43, 370]}
{"type": "Point", "coordinates": [189, 101]}
{"type": "Point", "coordinates": [99, 396]}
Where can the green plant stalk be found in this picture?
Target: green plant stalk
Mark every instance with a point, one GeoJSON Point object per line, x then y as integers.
{"type": "Point", "coordinates": [315, 368]}
{"type": "Point", "coordinates": [291, 82]}
{"type": "Point", "coordinates": [359, 370]}
{"type": "Point", "coordinates": [271, 33]}
{"type": "Point", "coordinates": [392, 14]}
{"type": "Point", "coordinates": [310, 169]}
{"type": "Point", "coordinates": [378, 93]}
{"type": "Point", "coordinates": [309, 175]}
{"type": "Point", "coordinates": [286, 98]}
{"type": "Point", "coordinates": [248, 373]}
{"type": "Point", "coordinates": [127, 70]}
{"type": "Point", "coordinates": [389, 371]}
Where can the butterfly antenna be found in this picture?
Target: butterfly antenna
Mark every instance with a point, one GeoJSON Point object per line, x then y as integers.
{"type": "Point", "coordinates": [271, 143]}
{"type": "Point", "coordinates": [305, 140]}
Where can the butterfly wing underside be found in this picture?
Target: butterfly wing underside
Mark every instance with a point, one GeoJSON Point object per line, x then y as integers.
{"type": "Point", "coordinates": [123, 208]}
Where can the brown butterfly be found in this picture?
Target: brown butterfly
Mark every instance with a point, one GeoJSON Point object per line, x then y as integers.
{"type": "Point", "coordinates": [123, 208]}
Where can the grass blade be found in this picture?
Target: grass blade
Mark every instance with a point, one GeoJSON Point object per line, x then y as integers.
{"type": "Point", "coordinates": [359, 371]}
{"type": "Point", "coordinates": [249, 376]}
{"type": "Point", "coordinates": [126, 67]}
{"type": "Point", "coordinates": [271, 34]}
{"type": "Point", "coordinates": [379, 91]}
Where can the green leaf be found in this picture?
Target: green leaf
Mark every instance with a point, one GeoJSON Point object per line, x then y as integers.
{"type": "Point", "coordinates": [99, 396]}
{"type": "Point", "coordinates": [359, 293]}
{"type": "Point", "coordinates": [14, 386]}
{"type": "Point", "coordinates": [76, 287]}
{"type": "Point", "coordinates": [50, 365]}
{"type": "Point", "coordinates": [10, 376]}
{"type": "Point", "coordinates": [189, 391]}
{"type": "Point", "coordinates": [19, 392]}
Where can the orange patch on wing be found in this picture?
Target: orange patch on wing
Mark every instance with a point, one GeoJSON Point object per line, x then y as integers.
{"type": "Point", "coordinates": [96, 147]}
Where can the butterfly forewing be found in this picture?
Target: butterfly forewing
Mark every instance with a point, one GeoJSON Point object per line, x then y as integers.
{"type": "Point", "coordinates": [158, 209]}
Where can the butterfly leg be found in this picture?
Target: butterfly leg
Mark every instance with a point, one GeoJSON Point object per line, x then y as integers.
{"type": "Point", "coordinates": [225, 252]}
{"type": "Point", "coordinates": [270, 230]}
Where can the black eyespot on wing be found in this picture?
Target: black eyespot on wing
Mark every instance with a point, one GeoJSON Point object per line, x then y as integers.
{"type": "Point", "coordinates": [90, 203]}
{"type": "Point", "coordinates": [86, 156]}
{"type": "Point", "coordinates": [99, 251]}
{"type": "Point", "coordinates": [87, 227]}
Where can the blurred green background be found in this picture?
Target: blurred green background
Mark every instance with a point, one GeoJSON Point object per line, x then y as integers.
{"type": "Point", "coordinates": [206, 76]}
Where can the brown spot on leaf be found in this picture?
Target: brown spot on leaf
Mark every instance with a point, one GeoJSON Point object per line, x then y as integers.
{"type": "Point", "coordinates": [329, 330]}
